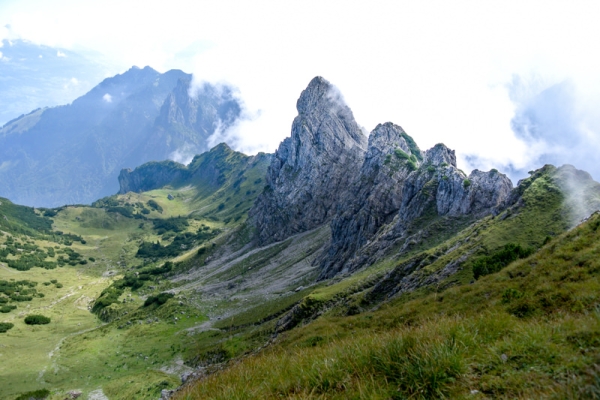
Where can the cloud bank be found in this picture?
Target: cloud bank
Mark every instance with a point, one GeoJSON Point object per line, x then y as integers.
{"type": "Point", "coordinates": [444, 71]}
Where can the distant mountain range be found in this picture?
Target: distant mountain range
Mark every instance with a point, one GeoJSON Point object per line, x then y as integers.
{"type": "Point", "coordinates": [73, 153]}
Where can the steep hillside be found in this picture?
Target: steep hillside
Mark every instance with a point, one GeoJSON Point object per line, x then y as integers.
{"type": "Point", "coordinates": [528, 331]}
{"type": "Point", "coordinates": [72, 154]}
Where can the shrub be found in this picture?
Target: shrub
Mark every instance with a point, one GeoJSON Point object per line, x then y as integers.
{"type": "Point", "coordinates": [401, 154]}
{"type": "Point", "coordinates": [511, 294]}
{"type": "Point", "coordinates": [36, 319]}
{"type": "Point", "coordinates": [35, 395]}
{"type": "Point", "coordinates": [490, 264]}
{"type": "Point", "coordinates": [466, 183]}
{"type": "Point", "coordinates": [155, 206]}
{"type": "Point", "coordinates": [5, 326]}
{"type": "Point", "coordinates": [108, 296]}
{"type": "Point", "coordinates": [159, 299]}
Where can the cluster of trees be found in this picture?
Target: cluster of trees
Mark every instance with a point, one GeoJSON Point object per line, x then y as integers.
{"type": "Point", "coordinates": [174, 224]}
{"type": "Point", "coordinates": [67, 238]}
{"type": "Point", "coordinates": [29, 255]}
{"type": "Point", "coordinates": [180, 244]}
{"type": "Point", "coordinates": [40, 394]}
{"type": "Point", "coordinates": [130, 210]}
{"type": "Point", "coordinates": [36, 319]}
{"type": "Point", "coordinates": [132, 280]}
{"type": "Point", "coordinates": [16, 291]}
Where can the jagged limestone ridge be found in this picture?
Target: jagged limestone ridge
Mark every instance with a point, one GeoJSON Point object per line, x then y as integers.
{"type": "Point", "coordinates": [377, 194]}
{"type": "Point", "coordinates": [538, 208]}
{"type": "Point", "coordinates": [402, 187]}
{"type": "Point", "coordinates": [311, 171]}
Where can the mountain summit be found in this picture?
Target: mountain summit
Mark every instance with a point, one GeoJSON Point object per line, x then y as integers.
{"type": "Point", "coordinates": [73, 153]}
{"type": "Point", "coordinates": [312, 169]}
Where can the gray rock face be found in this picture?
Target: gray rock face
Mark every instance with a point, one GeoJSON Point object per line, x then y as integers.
{"type": "Point", "coordinates": [439, 187]}
{"type": "Point", "coordinates": [377, 194]}
{"type": "Point", "coordinates": [312, 169]}
{"type": "Point", "coordinates": [151, 176]}
{"type": "Point", "coordinates": [395, 193]}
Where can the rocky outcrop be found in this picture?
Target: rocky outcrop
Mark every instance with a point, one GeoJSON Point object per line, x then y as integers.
{"type": "Point", "coordinates": [312, 170]}
{"type": "Point", "coordinates": [441, 188]}
{"type": "Point", "coordinates": [377, 194]}
{"type": "Point", "coordinates": [403, 196]}
{"type": "Point", "coordinates": [150, 176]}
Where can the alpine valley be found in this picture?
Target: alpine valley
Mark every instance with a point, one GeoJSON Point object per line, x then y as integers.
{"type": "Point", "coordinates": [342, 266]}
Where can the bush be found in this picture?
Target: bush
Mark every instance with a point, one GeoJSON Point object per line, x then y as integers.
{"type": "Point", "coordinates": [466, 183]}
{"type": "Point", "coordinates": [36, 319]}
{"type": "Point", "coordinates": [108, 296]}
{"type": "Point", "coordinates": [5, 326]}
{"type": "Point", "coordinates": [401, 154]}
{"type": "Point", "coordinates": [490, 264]}
{"type": "Point", "coordinates": [175, 224]}
{"type": "Point", "coordinates": [35, 395]}
{"type": "Point", "coordinates": [155, 206]}
{"type": "Point", "coordinates": [159, 299]}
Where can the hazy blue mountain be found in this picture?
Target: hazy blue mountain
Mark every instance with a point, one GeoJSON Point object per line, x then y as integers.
{"type": "Point", "coordinates": [73, 153]}
{"type": "Point", "coordinates": [34, 76]}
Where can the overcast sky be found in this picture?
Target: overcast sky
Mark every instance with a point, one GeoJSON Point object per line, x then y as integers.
{"type": "Point", "coordinates": [506, 84]}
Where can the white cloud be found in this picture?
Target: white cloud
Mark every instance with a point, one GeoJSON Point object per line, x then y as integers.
{"type": "Point", "coordinates": [60, 54]}
{"type": "Point", "coordinates": [5, 166]}
{"type": "Point", "coordinates": [439, 69]}
{"type": "Point", "coordinates": [183, 155]}
{"type": "Point", "coordinates": [107, 98]}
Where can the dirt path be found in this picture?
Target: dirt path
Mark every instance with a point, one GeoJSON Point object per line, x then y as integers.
{"type": "Point", "coordinates": [53, 352]}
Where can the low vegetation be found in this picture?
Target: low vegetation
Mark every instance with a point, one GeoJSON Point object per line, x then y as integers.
{"type": "Point", "coordinates": [36, 319]}
{"type": "Point", "coordinates": [527, 331]}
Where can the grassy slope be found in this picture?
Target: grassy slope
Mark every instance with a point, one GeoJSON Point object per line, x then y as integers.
{"type": "Point", "coordinates": [529, 331]}
{"type": "Point", "coordinates": [148, 343]}
{"type": "Point", "coordinates": [140, 352]}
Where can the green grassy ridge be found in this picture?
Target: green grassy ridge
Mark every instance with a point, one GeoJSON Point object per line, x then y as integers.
{"type": "Point", "coordinates": [539, 210]}
{"type": "Point", "coordinates": [17, 219]}
{"type": "Point", "coordinates": [220, 184]}
{"type": "Point", "coordinates": [527, 331]}
{"type": "Point", "coordinates": [481, 239]}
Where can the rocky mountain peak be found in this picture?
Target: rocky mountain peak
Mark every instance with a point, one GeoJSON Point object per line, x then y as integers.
{"type": "Point", "coordinates": [384, 137]}
{"type": "Point", "coordinates": [439, 155]}
{"type": "Point", "coordinates": [325, 150]}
